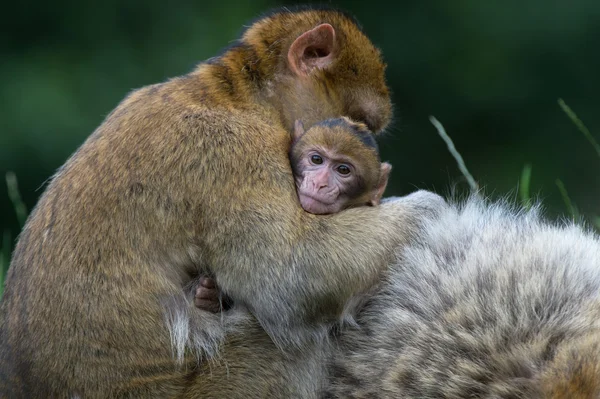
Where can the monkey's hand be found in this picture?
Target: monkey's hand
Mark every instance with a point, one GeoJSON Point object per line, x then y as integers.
{"type": "Point", "coordinates": [207, 295]}
{"type": "Point", "coordinates": [427, 203]}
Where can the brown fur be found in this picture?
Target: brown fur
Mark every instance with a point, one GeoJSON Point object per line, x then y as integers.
{"type": "Point", "coordinates": [191, 175]}
{"type": "Point", "coordinates": [574, 372]}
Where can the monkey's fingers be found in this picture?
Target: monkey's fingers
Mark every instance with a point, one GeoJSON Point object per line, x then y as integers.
{"type": "Point", "coordinates": [210, 294]}
{"type": "Point", "coordinates": [207, 282]}
{"type": "Point", "coordinates": [211, 306]}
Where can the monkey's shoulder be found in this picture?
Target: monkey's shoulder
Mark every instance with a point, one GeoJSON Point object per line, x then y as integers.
{"type": "Point", "coordinates": [185, 103]}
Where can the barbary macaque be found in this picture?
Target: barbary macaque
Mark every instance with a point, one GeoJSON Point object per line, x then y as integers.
{"type": "Point", "coordinates": [336, 166]}
{"type": "Point", "coordinates": [190, 176]}
{"type": "Point", "coordinates": [487, 302]}
{"type": "Point", "coordinates": [193, 174]}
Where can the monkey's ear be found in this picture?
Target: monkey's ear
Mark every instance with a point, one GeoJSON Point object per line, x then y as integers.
{"type": "Point", "coordinates": [312, 49]}
{"type": "Point", "coordinates": [384, 174]}
{"type": "Point", "coordinates": [298, 129]}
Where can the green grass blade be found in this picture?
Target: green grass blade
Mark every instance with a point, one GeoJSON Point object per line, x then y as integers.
{"type": "Point", "coordinates": [577, 122]}
{"type": "Point", "coordinates": [524, 184]}
{"type": "Point", "coordinates": [4, 258]}
{"type": "Point", "coordinates": [568, 203]}
{"type": "Point", "coordinates": [459, 160]}
{"type": "Point", "coordinates": [15, 197]}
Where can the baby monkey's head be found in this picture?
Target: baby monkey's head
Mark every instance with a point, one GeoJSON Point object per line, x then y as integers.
{"type": "Point", "coordinates": [336, 166]}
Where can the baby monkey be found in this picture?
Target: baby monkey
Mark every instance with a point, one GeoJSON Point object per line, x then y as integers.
{"type": "Point", "coordinates": [336, 166]}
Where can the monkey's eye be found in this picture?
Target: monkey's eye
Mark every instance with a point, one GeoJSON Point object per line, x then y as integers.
{"type": "Point", "coordinates": [343, 169]}
{"type": "Point", "coordinates": [316, 159]}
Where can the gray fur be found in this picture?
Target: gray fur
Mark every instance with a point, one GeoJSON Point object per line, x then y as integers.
{"type": "Point", "coordinates": [200, 333]}
{"type": "Point", "coordinates": [477, 307]}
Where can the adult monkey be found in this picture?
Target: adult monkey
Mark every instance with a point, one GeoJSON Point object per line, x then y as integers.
{"type": "Point", "coordinates": [487, 302]}
{"type": "Point", "coordinates": [188, 175]}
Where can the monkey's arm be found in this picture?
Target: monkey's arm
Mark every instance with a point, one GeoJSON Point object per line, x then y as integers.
{"type": "Point", "coordinates": [293, 270]}
{"type": "Point", "coordinates": [297, 271]}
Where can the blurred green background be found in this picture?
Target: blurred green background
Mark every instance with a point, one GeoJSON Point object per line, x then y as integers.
{"type": "Point", "coordinates": [491, 72]}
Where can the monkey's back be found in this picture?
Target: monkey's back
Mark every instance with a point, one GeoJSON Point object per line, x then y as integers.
{"type": "Point", "coordinates": [92, 284]}
{"type": "Point", "coordinates": [487, 303]}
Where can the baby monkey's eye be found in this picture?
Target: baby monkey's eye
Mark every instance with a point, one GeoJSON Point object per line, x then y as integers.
{"type": "Point", "coordinates": [316, 159]}
{"type": "Point", "coordinates": [343, 169]}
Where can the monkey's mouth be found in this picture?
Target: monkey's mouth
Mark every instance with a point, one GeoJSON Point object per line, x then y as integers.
{"type": "Point", "coordinates": [317, 206]}
{"type": "Point", "coordinates": [327, 199]}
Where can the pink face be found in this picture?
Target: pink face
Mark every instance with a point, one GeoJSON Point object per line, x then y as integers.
{"type": "Point", "coordinates": [326, 183]}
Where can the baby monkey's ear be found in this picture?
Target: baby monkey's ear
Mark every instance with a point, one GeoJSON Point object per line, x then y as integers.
{"type": "Point", "coordinates": [312, 49]}
{"type": "Point", "coordinates": [298, 130]}
{"type": "Point", "coordinates": [384, 175]}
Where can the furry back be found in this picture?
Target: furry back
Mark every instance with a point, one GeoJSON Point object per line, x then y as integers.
{"type": "Point", "coordinates": [489, 302]}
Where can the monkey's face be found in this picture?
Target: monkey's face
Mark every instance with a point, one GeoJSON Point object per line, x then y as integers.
{"type": "Point", "coordinates": [325, 182]}
{"type": "Point", "coordinates": [362, 91]}
{"type": "Point", "coordinates": [364, 98]}
{"type": "Point", "coordinates": [336, 166]}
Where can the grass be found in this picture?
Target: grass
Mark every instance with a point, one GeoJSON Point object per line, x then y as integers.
{"type": "Point", "coordinates": [525, 180]}
{"type": "Point", "coordinates": [572, 209]}
{"type": "Point", "coordinates": [524, 184]}
{"type": "Point", "coordinates": [459, 159]}
{"type": "Point", "coordinates": [4, 258]}
{"type": "Point", "coordinates": [586, 133]}
{"type": "Point", "coordinates": [577, 122]}
{"type": "Point", "coordinates": [15, 197]}
{"type": "Point", "coordinates": [21, 211]}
